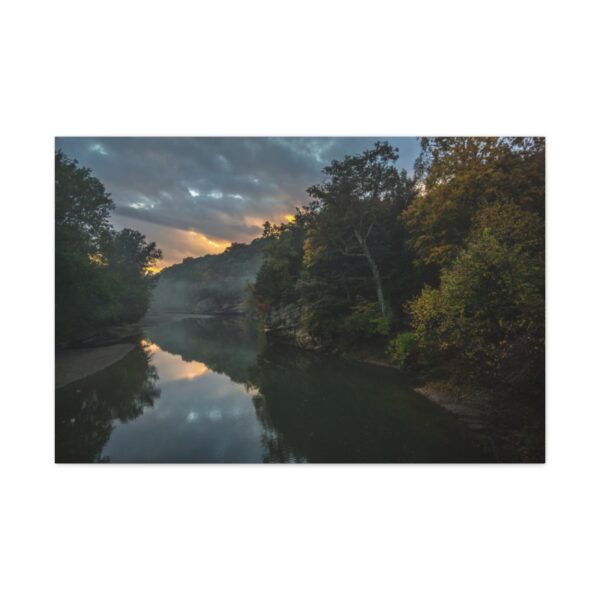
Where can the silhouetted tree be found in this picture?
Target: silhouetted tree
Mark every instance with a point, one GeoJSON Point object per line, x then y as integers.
{"type": "Point", "coordinates": [101, 275]}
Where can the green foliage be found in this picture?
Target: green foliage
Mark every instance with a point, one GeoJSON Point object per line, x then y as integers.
{"type": "Point", "coordinates": [355, 201]}
{"type": "Point", "coordinates": [276, 282]}
{"type": "Point", "coordinates": [402, 348]}
{"type": "Point", "coordinates": [464, 239]}
{"type": "Point", "coordinates": [345, 254]}
{"type": "Point", "coordinates": [458, 177]}
{"type": "Point", "coordinates": [128, 258]}
{"type": "Point", "coordinates": [490, 299]}
{"type": "Point", "coordinates": [82, 206]}
{"type": "Point", "coordinates": [366, 321]}
{"type": "Point", "coordinates": [101, 275]}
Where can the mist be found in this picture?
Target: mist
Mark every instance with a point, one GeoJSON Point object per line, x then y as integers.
{"type": "Point", "coordinates": [212, 284]}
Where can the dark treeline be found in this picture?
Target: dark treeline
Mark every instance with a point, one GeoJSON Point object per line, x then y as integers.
{"type": "Point", "coordinates": [102, 276]}
{"type": "Point", "coordinates": [445, 268]}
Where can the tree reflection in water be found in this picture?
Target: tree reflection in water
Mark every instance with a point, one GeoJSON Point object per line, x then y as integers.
{"type": "Point", "coordinates": [87, 410]}
{"type": "Point", "coordinates": [315, 408]}
{"type": "Point", "coordinates": [225, 345]}
{"type": "Point", "coordinates": [323, 409]}
{"type": "Point", "coordinates": [304, 407]}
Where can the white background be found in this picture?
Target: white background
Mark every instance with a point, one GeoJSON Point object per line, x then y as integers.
{"type": "Point", "coordinates": [310, 67]}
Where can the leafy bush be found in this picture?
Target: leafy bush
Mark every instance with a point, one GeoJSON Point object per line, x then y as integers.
{"type": "Point", "coordinates": [402, 348]}
{"type": "Point", "coordinates": [491, 296]}
{"type": "Point", "coordinates": [366, 321]}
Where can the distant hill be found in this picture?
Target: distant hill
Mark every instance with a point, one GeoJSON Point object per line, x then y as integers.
{"type": "Point", "coordinates": [212, 284]}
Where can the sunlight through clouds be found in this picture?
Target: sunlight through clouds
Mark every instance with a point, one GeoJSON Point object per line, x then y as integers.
{"type": "Point", "coordinates": [176, 244]}
{"type": "Point", "coordinates": [222, 190]}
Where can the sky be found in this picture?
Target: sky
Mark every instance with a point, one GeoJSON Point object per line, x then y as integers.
{"type": "Point", "coordinates": [195, 196]}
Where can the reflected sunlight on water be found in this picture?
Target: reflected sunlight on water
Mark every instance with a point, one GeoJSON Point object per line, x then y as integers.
{"type": "Point", "coordinates": [173, 367]}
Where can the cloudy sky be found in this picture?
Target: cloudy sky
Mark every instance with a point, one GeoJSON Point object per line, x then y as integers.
{"type": "Point", "coordinates": [194, 196]}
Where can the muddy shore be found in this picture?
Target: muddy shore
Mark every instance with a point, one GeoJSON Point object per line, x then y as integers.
{"type": "Point", "coordinates": [72, 365]}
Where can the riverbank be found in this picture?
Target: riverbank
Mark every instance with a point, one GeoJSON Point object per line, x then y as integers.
{"type": "Point", "coordinates": [73, 365]}
{"type": "Point", "coordinates": [512, 426]}
{"type": "Point", "coordinates": [507, 424]}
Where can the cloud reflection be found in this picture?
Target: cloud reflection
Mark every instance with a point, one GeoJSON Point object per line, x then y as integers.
{"type": "Point", "coordinates": [172, 367]}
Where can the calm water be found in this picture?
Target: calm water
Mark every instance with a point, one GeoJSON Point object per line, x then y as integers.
{"type": "Point", "coordinates": [211, 391]}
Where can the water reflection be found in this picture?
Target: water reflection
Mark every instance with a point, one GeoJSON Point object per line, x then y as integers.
{"type": "Point", "coordinates": [319, 410]}
{"type": "Point", "coordinates": [212, 390]}
{"type": "Point", "coordinates": [87, 410]}
{"type": "Point", "coordinates": [172, 367]}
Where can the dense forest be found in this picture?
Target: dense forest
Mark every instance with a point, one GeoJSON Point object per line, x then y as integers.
{"type": "Point", "coordinates": [102, 276]}
{"type": "Point", "coordinates": [442, 270]}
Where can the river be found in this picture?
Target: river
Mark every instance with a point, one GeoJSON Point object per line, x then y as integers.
{"type": "Point", "coordinates": [211, 390]}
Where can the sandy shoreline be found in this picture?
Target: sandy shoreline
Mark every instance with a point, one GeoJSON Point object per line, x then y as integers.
{"type": "Point", "coordinates": [72, 365]}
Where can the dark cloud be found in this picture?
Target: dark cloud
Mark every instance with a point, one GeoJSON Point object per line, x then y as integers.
{"type": "Point", "coordinates": [220, 188]}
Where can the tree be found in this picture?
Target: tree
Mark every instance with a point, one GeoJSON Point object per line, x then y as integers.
{"type": "Point", "coordinates": [82, 206]}
{"type": "Point", "coordinates": [489, 307]}
{"type": "Point", "coordinates": [277, 280]}
{"type": "Point", "coordinates": [458, 176]}
{"type": "Point", "coordinates": [101, 275]}
{"type": "Point", "coordinates": [128, 259]}
{"type": "Point", "coordinates": [343, 260]}
{"type": "Point", "coordinates": [352, 202]}
{"type": "Point", "coordinates": [84, 295]}
{"type": "Point", "coordinates": [127, 253]}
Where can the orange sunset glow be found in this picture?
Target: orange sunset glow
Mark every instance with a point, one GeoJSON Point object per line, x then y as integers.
{"type": "Point", "coordinates": [172, 367]}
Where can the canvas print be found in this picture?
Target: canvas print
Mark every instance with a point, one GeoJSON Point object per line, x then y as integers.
{"type": "Point", "coordinates": [300, 300]}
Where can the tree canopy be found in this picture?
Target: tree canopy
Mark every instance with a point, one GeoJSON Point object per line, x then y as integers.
{"type": "Point", "coordinates": [446, 265]}
{"type": "Point", "coordinates": [459, 176]}
{"type": "Point", "coordinates": [102, 275]}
